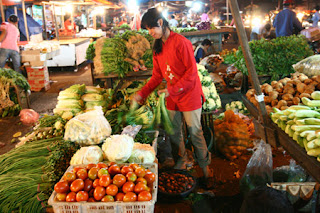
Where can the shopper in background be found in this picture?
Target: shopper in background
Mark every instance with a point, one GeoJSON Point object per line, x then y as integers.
{"type": "Point", "coordinates": [204, 16]}
{"type": "Point", "coordinates": [172, 21]}
{"type": "Point", "coordinates": [201, 50]}
{"type": "Point", "coordinates": [259, 32]}
{"type": "Point", "coordinates": [9, 38]}
{"type": "Point", "coordinates": [316, 17]}
{"type": "Point", "coordinates": [286, 22]}
{"type": "Point", "coordinates": [174, 61]}
{"type": "Point", "coordinates": [68, 24]}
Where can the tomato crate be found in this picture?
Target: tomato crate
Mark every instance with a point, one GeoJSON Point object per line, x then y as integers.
{"type": "Point", "coordinates": [108, 207]}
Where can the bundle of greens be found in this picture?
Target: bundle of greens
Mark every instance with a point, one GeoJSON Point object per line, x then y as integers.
{"type": "Point", "coordinates": [90, 52]}
{"type": "Point", "coordinates": [28, 173]}
{"type": "Point", "coordinates": [17, 78]}
{"type": "Point", "coordinates": [8, 98]}
{"type": "Point", "coordinates": [275, 57]}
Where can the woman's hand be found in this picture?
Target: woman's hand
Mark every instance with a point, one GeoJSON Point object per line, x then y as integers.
{"type": "Point", "coordinates": [163, 91]}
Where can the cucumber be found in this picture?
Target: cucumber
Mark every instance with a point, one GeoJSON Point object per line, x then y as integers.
{"type": "Point", "coordinates": [315, 95]}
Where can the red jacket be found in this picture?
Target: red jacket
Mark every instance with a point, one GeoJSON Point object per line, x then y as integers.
{"type": "Point", "coordinates": [177, 65]}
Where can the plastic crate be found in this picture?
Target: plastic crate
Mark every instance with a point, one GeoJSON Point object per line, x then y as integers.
{"type": "Point", "coordinates": [108, 207]}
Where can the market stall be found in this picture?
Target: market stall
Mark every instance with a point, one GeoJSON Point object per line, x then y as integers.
{"type": "Point", "coordinates": [72, 53]}
{"type": "Point", "coordinates": [214, 35]}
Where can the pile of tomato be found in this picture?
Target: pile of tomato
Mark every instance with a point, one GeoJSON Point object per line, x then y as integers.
{"type": "Point", "coordinates": [175, 183]}
{"type": "Point", "coordinates": [106, 183]}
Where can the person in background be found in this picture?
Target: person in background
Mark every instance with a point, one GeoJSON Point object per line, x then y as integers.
{"type": "Point", "coordinates": [286, 21]}
{"type": "Point", "coordinates": [316, 16]}
{"type": "Point", "coordinates": [9, 38]}
{"type": "Point", "coordinates": [259, 32]}
{"type": "Point", "coordinates": [123, 21]}
{"type": "Point", "coordinates": [174, 61]}
{"type": "Point", "coordinates": [201, 50]}
{"type": "Point", "coordinates": [204, 16]}
{"type": "Point", "coordinates": [172, 21]}
{"type": "Point", "coordinates": [67, 24]}
{"type": "Point", "coordinates": [184, 21]}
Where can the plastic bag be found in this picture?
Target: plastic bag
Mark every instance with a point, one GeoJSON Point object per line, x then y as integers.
{"type": "Point", "coordinates": [309, 66]}
{"type": "Point", "coordinates": [290, 173]}
{"type": "Point", "coordinates": [28, 116]}
{"type": "Point", "coordinates": [88, 128]}
{"type": "Point", "coordinates": [131, 130]}
{"type": "Point", "coordinates": [259, 168]}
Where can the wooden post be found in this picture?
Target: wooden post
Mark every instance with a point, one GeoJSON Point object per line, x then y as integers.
{"type": "Point", "coordinates": [71, 14]}
{"type": "Point", "coordinates": [2, 12]}
{"type": "Point", "coordinates": [227, 2]}
{"type": "Point", "coordinates": [55, 21]}
{"type": "Point", "coordinates": [15, 11]}
{"type": "Point", "coordinates": [25, 20]}
{"type": "Point", "coordinates": [248, 58]}
{"type": "Point", "coordinates": [44, 20]}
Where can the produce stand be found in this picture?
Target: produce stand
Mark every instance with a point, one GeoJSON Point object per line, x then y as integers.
{"type": "Point", "coordinates": [214, 35]}
{"type": "Point", "coordinates": [72, 53]}
{"type": "Point", "coordinates": [109, 79]}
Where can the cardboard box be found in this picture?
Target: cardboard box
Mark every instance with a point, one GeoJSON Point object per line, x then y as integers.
{"type": "Point", "coordinates": [37, 85]}
{"type": "Point", "coordinates": [37, 73]}
{"type": "Point", "coordinates": [33, 56]}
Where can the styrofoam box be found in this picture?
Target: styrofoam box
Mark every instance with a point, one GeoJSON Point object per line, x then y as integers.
{"type": "Point", "coordinates": [108, 207]}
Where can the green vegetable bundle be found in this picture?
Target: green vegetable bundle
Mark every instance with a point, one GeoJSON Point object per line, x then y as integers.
{"type": "Point", "coordinates": [90, 52]}
{"type": "Point", "coordinates": [18, 79]}
{"type": "Point", "coordinates": [275, 57]}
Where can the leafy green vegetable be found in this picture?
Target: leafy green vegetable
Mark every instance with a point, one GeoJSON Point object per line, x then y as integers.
{"type": "Point", "coordinates": [90, 53]}
{"type": "Point", "coordinates": [18, 79]}
{"type": "Point", "coordinates": [275, 57]}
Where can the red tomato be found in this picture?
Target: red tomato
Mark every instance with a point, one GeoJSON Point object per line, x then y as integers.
{"type": "Point", "coordinates": [139, 187]}
{"type": "Point", "coordinates": [150, 178]}
{"type": "Point", "coordinates": [61, 187]}
{"type": "Point", "coordinates": [95, 183]}
{"type": "Point", "coordinates": [119, 196]}
{"type": "Point", "coordinates": [128, 187]}
{"type": "Point", "coordinates": [77, 185]}
{"type": "Point", "coordinates": [75, 169]}
{"type": "Point", "coordinates": [114, 169]}
{"type": "Point", "coordinates": [71, 197]}
{"type": "Point", "coordinates": [134, 166]}
{"type": "Point", "coordinates": [112, 190]}
{"type": "Point", "coordinates": [129, 197]}
{"type": "Point", "coordinates": [103, 171]}
{"type": "Point", "coordinates": [93, 173]}
{"type": "Point", "coordinates": [99, 193]}
{"type": "Point", "coordinates": [91, 199]}
{"type": "Point", "coordinates": [82, 196]}
{"type": "Point", "coordinates": [119, 180]}
{"type": "Point", "coordinates": [82, 174]}
{"type": "Point", "coordinates": [148, 171]}
{"type": "Point", "coordinates": [101, 165]}
{"type": "Point", "coordinates": [126, 169]}
{"type": "Point", "coordinates": [144, 196]}
{"type": "Point", "coordinates": [140, 172]}
{"type": "Point", "coordinates": [90, 165]}
{"type": "Point", "coordinates": [131, 176]}
{"type": "Point", "coordinates": [88, 185]}
{"type": "Point", "coordinates": [107, 198]}
{"type": "Point", "coordinates": [91, 193]}
{"type": "Point", "coordinates": [61, 196]}
{"type": "Point", "coordinates": [105, 180]}
{"type": "Point", "coordinates": [112, 163]}
{"type": "Point", "coordinates": [142, 180]}
{"type": "Point", "coordinates": [69, 177]}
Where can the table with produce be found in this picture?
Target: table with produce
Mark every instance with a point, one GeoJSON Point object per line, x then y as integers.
{"type": "Point", "coordinates": [291, 97]}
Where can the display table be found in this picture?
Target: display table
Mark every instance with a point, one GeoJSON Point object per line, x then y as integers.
{"type": "Point", "coordinates": [213, 35]}
{"type": "Point", "coordinates": [72, 53]}
{"type": "Point", "coordinates": [109, 79]}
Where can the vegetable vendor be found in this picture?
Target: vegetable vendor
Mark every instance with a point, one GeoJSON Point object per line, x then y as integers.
{"type": "Point", "coordinates": [174, 61]}
{"type": "Point", "coordinates": [202, 50]}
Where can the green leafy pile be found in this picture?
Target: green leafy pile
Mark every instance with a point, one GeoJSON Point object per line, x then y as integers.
{"type": "Point", "coordinates": [90, 53]}
{"type": "Point", "coordinates": [114, 51]}
{"type": "Point", "coordinates": [275, 57]}
{"type": "Point", "coordinates": [18, 79]}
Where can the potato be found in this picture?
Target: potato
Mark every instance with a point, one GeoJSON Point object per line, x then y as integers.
{"type": "Point", "coordinates": [307, 95]}
{"type": "Point", "coordinates": [273, 83]}
{"type": "Point", "coordinates": [289, 90]}
{"type": "Point", "coordinates": [296, 81]}
{"type": "Point", "coordinates": [279, 89]}
{"type": "Point", "coordinates": [289, 103]}
{"type": "Point", "coordinates": [303, 78]}
{"type": "Point", "coordinates": [274, 103]}
{"type": "Point", "coordinates": [284, 107]}
{"type": "Point", "coordinates": [281, 103]}
{"type": "Point", "coordinates": [308, 81]}
{"type": "Point", "coordinates": [296, 100]}
{"type": "Point", "coordinates": [268, 89]}
{"type": "Point", "coordinates": [287, 97]}
{"type": "Point", "coordinates": [273, 95]}
{"type": "Point", "coordinates": [301, 87]}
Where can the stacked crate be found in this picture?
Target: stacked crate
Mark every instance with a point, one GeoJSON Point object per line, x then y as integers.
{"type": "Point", "coordinates": [38, 78]}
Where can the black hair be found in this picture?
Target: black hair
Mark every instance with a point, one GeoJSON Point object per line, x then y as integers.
{"type": "Point", "coordinates": [150, 20]}
{"type": "Point", "coordinates": [172, 16]}
{"type": "Point", "coordinates": [264, 199]}
{"type": "Point", "coordinates": [66, 17]}
{"type": "Point", "coordinates": [268, 26]}
{"type": "Point", "coordinates": [206, 42]}
{"type": "Point", "coordinates": [13, 18]}
{"type": "Point", "coordinates": [317, 8]}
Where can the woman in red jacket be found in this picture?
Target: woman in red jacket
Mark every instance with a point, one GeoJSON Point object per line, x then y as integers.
{"type": "Point", "coordinates": [173, 60]}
